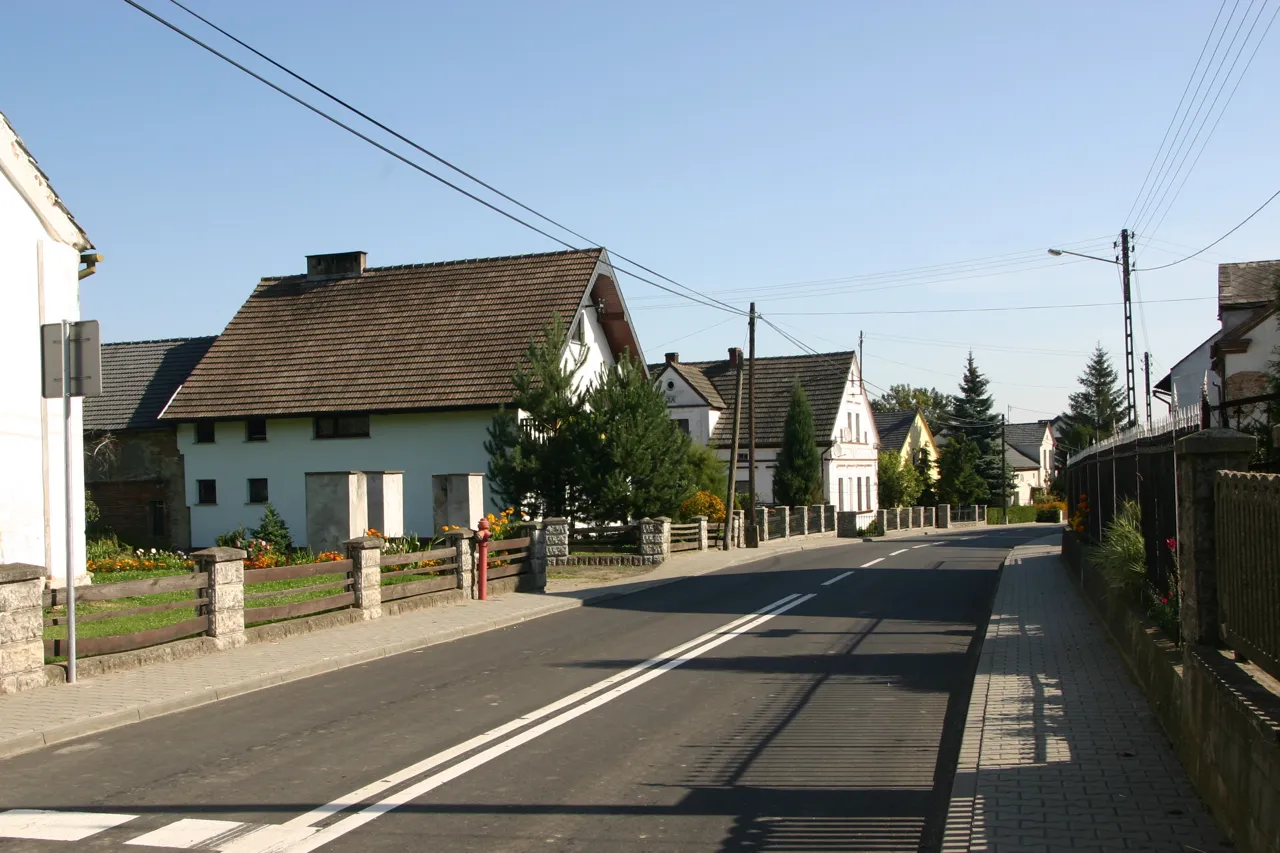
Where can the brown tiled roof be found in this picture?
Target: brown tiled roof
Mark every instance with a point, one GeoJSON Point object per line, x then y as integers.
{"type": "Point", "coordinates": [1248, 283]}
{"type": "Point", "coordinates": [422, 336]}
{"type": "Point", "coordinates": [138, 380]}
{"type": "Point", "coordinates": [822, 376]}
{"type": "Point", "coordinates": [697, 380]}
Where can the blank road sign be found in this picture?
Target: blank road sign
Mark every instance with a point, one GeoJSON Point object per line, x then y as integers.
{"type": "Point", "coordinates": [86, 359]}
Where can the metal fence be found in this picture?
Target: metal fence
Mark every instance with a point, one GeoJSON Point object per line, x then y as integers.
{"type": "Point", "coordinates": [1257, 416]}
{"type": "Point", "coordinates": [964, 513]}
{"type": "Point", "coordinates": [1247, 520]}
{"type": "Point", "coordinates": [1140, 465]}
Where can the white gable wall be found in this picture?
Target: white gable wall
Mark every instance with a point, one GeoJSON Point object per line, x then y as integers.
{"type": "Point", "coordinates": [39, 281]}
{"type": "Point", "coordinates": [599, 355]}
{"type": "Point", "coordinates": [684, 403]}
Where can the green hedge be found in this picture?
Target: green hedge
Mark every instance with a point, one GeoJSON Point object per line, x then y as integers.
{"type": "Point", "coordinates": [1017, 514]}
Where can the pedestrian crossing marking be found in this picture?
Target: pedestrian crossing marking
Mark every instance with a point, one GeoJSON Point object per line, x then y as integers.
{"type": "Point", "coordinates": [190, 832]}
{"type": "Point", "coordinates": [48, 825]}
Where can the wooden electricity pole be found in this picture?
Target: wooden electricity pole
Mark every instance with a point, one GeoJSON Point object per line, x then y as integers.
{"type": "Point", "coordinates": [753, 535]}
{"type": "Point", "coordinates": [733, 452]}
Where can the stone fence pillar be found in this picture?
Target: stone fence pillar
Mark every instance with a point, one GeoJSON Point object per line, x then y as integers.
{"type": "Point", "coordinates": [882, 520]}
{"type": "Point", "coordinates": [464, 542]}
{"type": "Point", "coordinates": [942, 515]}
{"type": "Point", "coordinates": [556, 535]}
{"type": "Point", "coordinates": [655, 539]}
{"type": "Point", "coordinates": [537, 534]}
{"type": "Point", "coordinates": [21, 627]}
{"type": "Point", "coordinates": [762, 523]}
{"type": "Point", "coordinates": [784, 512]}
{"type": "Point", "coordinates": [365, 554]}
{"type": "Point", "coordinates": [740, 528]}
{"type": "Point", "coordinates": [701, 521]}
{"type": "Point", "coordinates": [225, 567]}
{"type": "Point", "coordinates": [804, 521]}
{"type": "Point", "coordinates": [1200, 456]}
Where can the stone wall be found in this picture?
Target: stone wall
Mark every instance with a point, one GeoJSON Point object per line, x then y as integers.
{"type": "Point", "coordinates": [21, 627]}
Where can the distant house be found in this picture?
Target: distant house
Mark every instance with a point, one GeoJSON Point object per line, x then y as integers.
{"type": "Point", "coordinates": [700, 398]}
{"type": "Point", "coordinates": [1248, 294]}
{"type": "Point", "coordinates": [349, 368]}
{"type": "Point", "coordinates": [134, 470]}
{"type": "Point", "coordinates": [906, 432]}
{"type": "Point", "coordinates": [1192, 376]}
{"type": "Point", "coordinates": [41, 250]}
{"type": "Point", "coordinates": [1030, 452]}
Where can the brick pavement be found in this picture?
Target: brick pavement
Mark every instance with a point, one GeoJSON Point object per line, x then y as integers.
{"type": "Point", "coordinates": [1060, 750]}
{"type": "Point", "coordinates": [39, 718]}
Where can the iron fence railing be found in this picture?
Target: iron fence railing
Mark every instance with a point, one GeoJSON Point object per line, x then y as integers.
{"type": "Point", "coordinates": [1247, 521]}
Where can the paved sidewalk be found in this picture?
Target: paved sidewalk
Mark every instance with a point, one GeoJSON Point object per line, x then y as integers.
{"type": "Point", "coordinates": [1060, 749]}
{"type": "Point", "coordinates": [39, 718]}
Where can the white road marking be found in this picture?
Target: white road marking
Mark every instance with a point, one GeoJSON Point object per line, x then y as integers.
{"type": "Point", "coordinates": [836, 579]}
{"type": "Point", "coordinates": [188, 832]}
{"type": "Point", "coordinates": [269, 839]}
{"type": "Point", "coordinates": [872, 563]}
{"type": "Point", "coordinates": [47, 825]}
{"type": "Point", "coordinates": [899, 551]}
{"type": "Point", "coordinates": [375, 788]}
{"type": "Point", "coordinates": [412, 792]}
{"type": "Point", "coordinates": [925, 545]}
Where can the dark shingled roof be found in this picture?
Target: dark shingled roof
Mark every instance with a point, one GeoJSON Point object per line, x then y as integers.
{"type": "Point", "coordinates": [1026, 438]}
{"type": "Point", "coordinates": [1019, 461]}
{"type": "Point", "coordinates": [138, 380]}
{"type": "Point", "coordinates": [422, 336]}
{"type": "Point", "coordinates": [697, 380]}
{"type": "Point", "coordinates": [1249, 283]}
{"type": "Point", "coordinates": [822, 376]}
{"type": "Point", "coordinates": [894, 427]}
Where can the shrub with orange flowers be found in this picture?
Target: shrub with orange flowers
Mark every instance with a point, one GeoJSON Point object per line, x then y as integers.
{"type": "Point", "coordinates": [704, 503]}
{"type": "Point", "coordinates": [1080, 516]}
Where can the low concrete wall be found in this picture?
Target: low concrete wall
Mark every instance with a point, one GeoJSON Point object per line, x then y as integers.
{"type": "Point", "coordinates": [1221, 717]}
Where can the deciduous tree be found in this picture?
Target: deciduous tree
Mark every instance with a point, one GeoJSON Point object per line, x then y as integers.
{"type": "Point", "coordinates": [900, 484]}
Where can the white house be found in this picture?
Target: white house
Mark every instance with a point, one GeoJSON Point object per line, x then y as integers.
{"type": "Point", "coordinates": [700, 397]}
{"type": "Point", "coordinates": [1248, 294]}
{"type": "Point", "coordinates": [355, 368]}
{"type": "Point", "coordinates": [1192, 376]}
{"type": "Point", "coordinates": [41, 250]}
{"type": "Point", "coordinates": [1030, 453]}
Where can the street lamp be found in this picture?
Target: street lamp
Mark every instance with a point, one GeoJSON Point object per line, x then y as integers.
{"type": "Point", "coordinates": [1128, 313]}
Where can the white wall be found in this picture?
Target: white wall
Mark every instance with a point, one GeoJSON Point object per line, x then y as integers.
{"type": "Point", "coordinates": [683, 403]}
{"type": "Point", "coordinates": [599, 355]}
{"type": "Point", "coordinates": [418, 444]}
{"type": "Point", "coordinates": [1263, 340]}
{"type": "Point", "coordinates": [1188, 376]}
{"type": "Point", "coordinates": [32, 497]}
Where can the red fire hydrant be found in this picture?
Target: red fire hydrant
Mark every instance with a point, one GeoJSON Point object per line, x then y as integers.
{"type": "Point", "coordinates": [482, 564]}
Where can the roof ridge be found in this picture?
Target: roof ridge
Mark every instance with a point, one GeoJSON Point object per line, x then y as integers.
{"type": "Point", "coordinates": [805, 355]}
{"type": "Point", "coordinates": [160, 341]}
{"type": "Point", "coordinates": [456, 262]}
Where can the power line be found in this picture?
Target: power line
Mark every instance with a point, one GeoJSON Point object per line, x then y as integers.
{"type": "Point", "coordinates": [1214, 243]}
{"type": "Point", "coordinates": [994, 308]}
{"type": "Point", "coordinates": [416, 166]}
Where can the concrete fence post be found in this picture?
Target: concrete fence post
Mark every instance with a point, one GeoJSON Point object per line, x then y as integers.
{"type": "Point", "coordinates": [804, 520]}
{"type": "Point", "coordinates": [784, 513]}
{"type": "Point", "coordinates": [21, 627]}
{"type": "Point", "coordinates": [1200, 456]}
{"type": "Point", "coordinates": [740, 533]}
{"type": "Point", "coordinates": [882, 520]}
{"type": "Point", "coordinates": [942, 515]}
{"type": "Point", "coordinates": [464, 545]}
{"type": "Point", "coordinates": [537, 534]}
{"type": "Point", "coordinates": [365, 554]}
{"type": "Point", "coordinates": [225, 568]}
{"type": "Point", "coordinates": [701, 521]}
{"type": "Point", "coordinates": [655, 539]}
{"type": "Point", "coordinates": [762, 523]}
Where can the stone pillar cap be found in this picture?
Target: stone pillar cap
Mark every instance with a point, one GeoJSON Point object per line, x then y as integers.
{"type": "Point", "coordinates": [222, 554]}
{"type": "Point", "coordinates": [1217, 440]}
{"type": "Point", "coordinates": [366, 542]}
{"type": "Point", "coordinates": [15, 572]}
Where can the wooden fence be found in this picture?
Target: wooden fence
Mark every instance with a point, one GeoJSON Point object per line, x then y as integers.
{"type": "Point", "coordinates": [686, 537]}
{"type": "Point", "coordinates": [423, 573]}
{"type": "Point", "coordinates": [328, 594]}
{"type": "Point", "coordinates": [147, 596]}
{"type": "Point", "coordinates": [509, 558]}
{"type": "Point", "coordinates": [1247, 521]}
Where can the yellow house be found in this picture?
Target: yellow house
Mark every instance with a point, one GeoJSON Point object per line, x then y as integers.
{"type": "Point", "coordinates": [905, 432]}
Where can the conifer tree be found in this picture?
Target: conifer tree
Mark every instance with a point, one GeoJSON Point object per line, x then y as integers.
{"type": "Point", "coordinates": [958, 480]}
{"type": "Point", "coordinates": [975, 418]}
{"type": "Point", "coordinates": [1097, 409]}
{"type": "Point", "coordinates": [797, 473]}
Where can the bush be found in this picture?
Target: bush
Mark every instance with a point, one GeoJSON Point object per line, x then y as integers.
{"type": "Point", "coordinates": [273, 529]}
{"type": "Point", "coordinates": [105, 547]}
{"type": "Point", "coordinates": [233, 538]}
{"type": "Point", "coordinates": [1122, 554]}
{"type": "Point", "coordinates": [703, 503]}
{"type": "Point", "coordinates": [1017, 515]}
{"type": "Point", "coordinates": [872, 529]}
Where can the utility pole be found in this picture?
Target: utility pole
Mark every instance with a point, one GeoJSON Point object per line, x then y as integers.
{"type": "Point", "coordinates": [753, 535]}
{"type": "Point", "coordinates": [733, 453]}
{"type": "Point", "coordinates": [1004, 471]}
{"type": "Point", "coordinates": [1128, 327]}
{"type": "Point", "coordinates": [1146, 369]}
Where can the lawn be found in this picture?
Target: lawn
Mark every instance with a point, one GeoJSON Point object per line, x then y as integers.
{"type": "Point", "coordinates": [92, 619]}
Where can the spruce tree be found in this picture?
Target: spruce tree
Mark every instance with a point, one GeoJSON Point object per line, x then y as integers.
{"type": "Point", "coordinates": [797, 473]}
{"type": "Point", "coordinates": [958, 480]}
{"type": "Point", "coordinates": [531, 463]}
{"type": "Point", "coordinates": [633, 460]}
{"type": "Point", "coordinates": [1097, 409]}
{"type": "Point", "coordinates": [272, 529]}
{"type": "Point", "coordinates": [975, 418]}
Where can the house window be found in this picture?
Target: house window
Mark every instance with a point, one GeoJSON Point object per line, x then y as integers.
{"type": "Point", "coordinates": [868, 493]}
{"type": "Point", "coordinates": [207, 491]}
{"type": "Point", "coordinates": [255, 429]}
{"type": "Point", "coordinates": [840, 492]}
{"type": "Point", "coordinates": [342, 426]}
{"type": "Point", "coordinates": [858, 431]}
{"type": "Point", "coordinates": [580, 330]}
{"type": "Point", "coordinates": [849, 433]}
{"type": "Point", "coordinates": [744, 457]}
{"type": "Point", "coordinates": [859, 484]}
{"type": "Point", "coordinates": [156, 519]}
{"type": "Point", "coordinates": [257, 490]}
{"type": "Point", "coordinates": [204, 432]}
{"type": "Point", "coordinates": [743, 488]}
{"type": "Point", "coordinates": [683, 423]}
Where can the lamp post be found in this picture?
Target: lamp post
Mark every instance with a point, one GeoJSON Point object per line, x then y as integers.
{"type": "Point", "coordinates": [1126, 269]}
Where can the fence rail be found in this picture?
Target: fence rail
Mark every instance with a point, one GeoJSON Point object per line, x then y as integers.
{"type": "Point", "coordinates": [145, 596]}
{"type": "Point", "coordinates": [1247, 518]}
{"type": "Point", "coordinates": [508, 558]}
{"type": "Point", "coordinates": [686, 537]}
{"type": "Point", "coordinates": [340, 592]}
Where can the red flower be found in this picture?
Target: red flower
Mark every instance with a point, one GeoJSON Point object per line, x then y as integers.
{"type": "Point", "coordinates": [1171, 543]}
{"type": "Point", "coordinates": [1164, 600]}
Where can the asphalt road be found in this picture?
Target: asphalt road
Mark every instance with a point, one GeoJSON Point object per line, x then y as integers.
{"type": "Point", "coordinates": [829, 723]}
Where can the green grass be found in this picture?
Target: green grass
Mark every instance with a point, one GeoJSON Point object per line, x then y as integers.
{"type": "Point", "coordinates": [285, 596]}
{"type": "Point", "coordinates": [386, 581]}
{"type": "Point", "coordinates": [124, 624]}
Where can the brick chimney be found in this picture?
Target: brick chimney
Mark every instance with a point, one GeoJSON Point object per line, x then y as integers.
{"type": "Point", "coordinates": [735, 357]}
{"type": "Point", "coordinates": [338, 265]}
{"type": "Point", "coordinates": [673, 357]}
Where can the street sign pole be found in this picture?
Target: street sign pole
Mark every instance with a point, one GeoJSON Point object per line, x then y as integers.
{"type": "Point", "coordinates": [69, 539]}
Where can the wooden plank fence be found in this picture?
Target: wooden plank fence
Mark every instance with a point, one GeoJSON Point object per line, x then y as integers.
{"type": "Point", "coordinates": [685, 537]}
{"type": "Point", "coordinates": [304, 607]}
{"type": "Point", "coordinates": [144, 591]}
{"type": "Point", "coordinates": [509, 557]}
{"type": "Point", "coordinates": [426, 572]}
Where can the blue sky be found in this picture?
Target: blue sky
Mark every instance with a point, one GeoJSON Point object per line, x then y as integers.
{"type": "Point", "coordinates": [730, 145]}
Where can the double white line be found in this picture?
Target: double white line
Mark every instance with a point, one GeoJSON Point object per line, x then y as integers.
{"type": "Point", "coordinates": [553, 715]}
